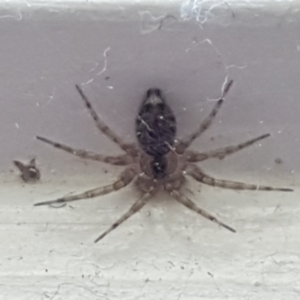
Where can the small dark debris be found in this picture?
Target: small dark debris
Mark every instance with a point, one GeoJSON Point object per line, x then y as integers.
{"type": "Point", "coordinates": [29, 172]}
{"type": "Point", "coordinates": [278, 161]}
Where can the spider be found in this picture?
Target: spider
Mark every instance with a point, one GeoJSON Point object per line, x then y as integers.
{"type": "Point", "coordinates": [158, 160]}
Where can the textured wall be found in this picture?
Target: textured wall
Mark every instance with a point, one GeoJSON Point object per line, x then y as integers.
{"type": "Point", "coordinates": [116, 52]}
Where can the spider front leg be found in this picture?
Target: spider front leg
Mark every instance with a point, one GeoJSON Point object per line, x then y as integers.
{"type": "Point", "coordinates": [126, 177]}
{"type": "Point", "coordinates": [195, 172]}
{"type": "Point", "coordinates": [120, 160]}
{"type": "Point", "coordinates": [137, 206]}
{"type": "Point", "coordinates": [195, 156]}
{"type": "Point", "coordinates": [186, 142]}
{"type": "Point", "coordinates": [192, 206]}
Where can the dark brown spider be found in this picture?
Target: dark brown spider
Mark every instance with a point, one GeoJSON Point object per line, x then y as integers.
{"type": "Point", "coordinates": [159, 160]}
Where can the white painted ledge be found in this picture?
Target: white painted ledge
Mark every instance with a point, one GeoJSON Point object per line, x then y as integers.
{"type": "Point", "coordinates": [116, 51]}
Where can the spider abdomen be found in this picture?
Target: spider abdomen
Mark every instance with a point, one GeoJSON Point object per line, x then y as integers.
{"type": "Point", "coordinates": [155, 124]}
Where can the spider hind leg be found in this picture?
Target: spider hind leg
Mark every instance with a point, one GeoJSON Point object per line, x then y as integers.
{"type": "Point", "coordinates": [120, 160]}
{"type": "Point", "coordinates": [129, 148]}
{"type": "Point", "coordinates": [187, 141]}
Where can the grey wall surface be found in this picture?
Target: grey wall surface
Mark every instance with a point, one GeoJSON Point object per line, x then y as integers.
{"type": "Point", "coordinates": [116, 55]}
{"type": "Point", "coordinates": [116, 51]}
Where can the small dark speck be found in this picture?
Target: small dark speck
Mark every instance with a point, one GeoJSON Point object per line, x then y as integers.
{"type": "Point", "coordinates": [212, 139]}
{"type": "Point", "coordinates": [46, 270]}
{"type": "Point", "coordinates": [210, 274]}
{"type": "Point", "coordinates": [278, 161]}
{"type": "Point", "coordinates": [29, 171]}
{"type": "Point", "coordinates": [107, 77]}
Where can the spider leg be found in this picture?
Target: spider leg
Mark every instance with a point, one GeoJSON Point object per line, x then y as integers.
{"type": "Point", "coordinates": [133, 209]}
{"type": "Point", "coordinates": [126, 177]}
{"type": "Point", "coordinates": [102, 126]}
{"type": "Point", "coordinates": [198, 175]}
{"type": "Point", "coordinates": [192, 206]}
{"type": "Point", "coordinates": [186, 142]}
{"type": "Point", "coordinates": [195, 156]}
{"type": "Point", "coordinates": [120, 160]}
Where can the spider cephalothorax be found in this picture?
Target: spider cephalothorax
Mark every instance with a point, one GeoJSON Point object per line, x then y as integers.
{"type": "Point", "coordinates": [159, 159]}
